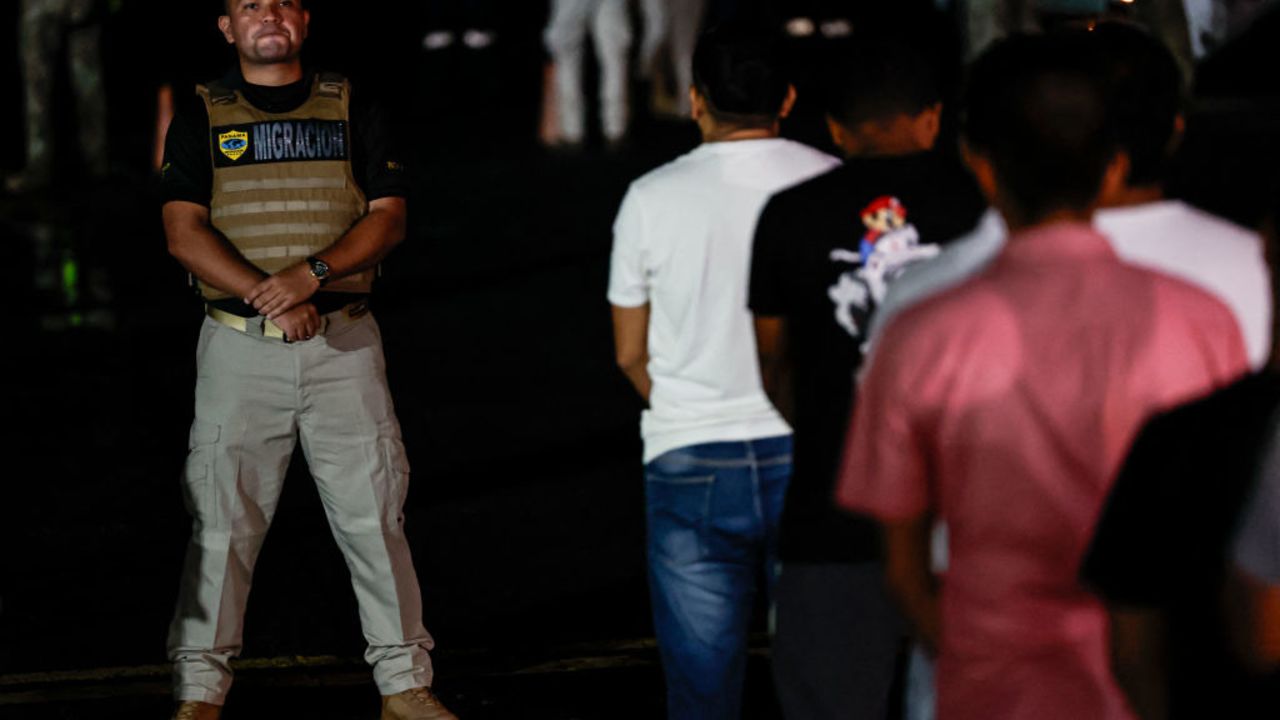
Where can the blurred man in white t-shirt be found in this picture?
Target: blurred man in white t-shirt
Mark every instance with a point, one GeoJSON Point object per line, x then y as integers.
{"type": "Point", "coordinates": [717, 454]}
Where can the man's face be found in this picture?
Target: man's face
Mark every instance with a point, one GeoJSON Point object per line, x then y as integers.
{"type": "Point", "coordinates": [266, 32]}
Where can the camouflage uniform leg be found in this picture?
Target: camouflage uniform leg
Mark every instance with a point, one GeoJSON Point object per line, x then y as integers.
{"type": "Point", "coordinates": [39, 40]}
{"type": "Point", "coordinates": [85, 61]}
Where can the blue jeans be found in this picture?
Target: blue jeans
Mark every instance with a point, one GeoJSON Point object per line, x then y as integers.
{"type": "Point", "coordinates": [712, 512]}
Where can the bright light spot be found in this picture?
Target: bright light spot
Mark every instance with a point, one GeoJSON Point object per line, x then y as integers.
{"type": "Point", "coordinates": [800, 27]}
{"type": "Point", "coordinates": [837, 28]}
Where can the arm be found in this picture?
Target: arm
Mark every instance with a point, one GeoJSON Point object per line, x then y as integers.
{"type": "Point", "coordinates": [775, 364]}
{"type": "Point", "coordinates": [631, 342]}
{"type": "Point", "coordinates": [1138, 659]}
{"type": "Point", "coordinates": [907, 572]}
{"type": "Point", "coordinates": [362, 247]}
{"type": "Point", "coordinates": [204, 252]}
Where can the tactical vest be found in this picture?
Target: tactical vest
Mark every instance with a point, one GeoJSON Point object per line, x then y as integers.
{"type": "Point", "coordinates": [282, 182]}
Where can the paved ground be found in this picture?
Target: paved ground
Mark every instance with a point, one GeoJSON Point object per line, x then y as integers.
{"type": "Point", "coordinates": [619, 681]}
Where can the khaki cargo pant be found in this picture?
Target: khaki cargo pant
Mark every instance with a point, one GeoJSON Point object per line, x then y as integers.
{"type": "Point", "coordinates": [254, 397]}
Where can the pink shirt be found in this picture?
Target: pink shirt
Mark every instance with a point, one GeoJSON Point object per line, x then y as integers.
{"type": "Point", "coordinates": [1005, 406]}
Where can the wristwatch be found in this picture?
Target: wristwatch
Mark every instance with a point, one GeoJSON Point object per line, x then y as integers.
{"type": "Point", "coordinates": [319, 269]}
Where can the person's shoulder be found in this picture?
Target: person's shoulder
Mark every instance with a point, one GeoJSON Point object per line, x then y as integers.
{"type": "Point", "coordinates": [188, 103]}
{"type": "Point", "coordinates": [688, 166]}
{"type": "Point", "coordinates": [1216, 230]}
{"type": "Point", "coordinates": [957, 313]}
{"type": "Point", "coordinates": [813, 191]}
{"type": "Point", "coordinates": [1183, 301]}
{"type": "Point", "coordinates": [803, 154]}
{"type": "Point", "coordinates": [1176, 219]}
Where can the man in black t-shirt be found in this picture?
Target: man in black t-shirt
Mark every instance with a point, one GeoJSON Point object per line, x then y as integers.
{"type": "Point", "coordinates": [280, 197]}
{"type": "Point", "coordinates": [825, 252]}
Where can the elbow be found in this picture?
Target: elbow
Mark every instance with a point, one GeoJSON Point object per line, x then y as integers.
{"type": "Point", "coordinates": [177, 249]}
{"type": "Point", "coordinates": [397, 234]}
{"type": "Point", "coordinates": [630, 362]}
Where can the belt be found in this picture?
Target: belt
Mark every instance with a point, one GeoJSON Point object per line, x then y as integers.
{"type": "Point", "coordinates": [271, 330]}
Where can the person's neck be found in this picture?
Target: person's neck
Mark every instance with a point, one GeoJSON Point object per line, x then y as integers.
{"type": "Point", "coordinates": [271, 75]}
{"type": "Point", "coordinates": [712, 133]}
{"type": "Point", "coordinates": [881, 147]}
{"type": "Point", "coordinates": [1018, 225]}
{"type": "Point", "coordinates": [1131, 195]}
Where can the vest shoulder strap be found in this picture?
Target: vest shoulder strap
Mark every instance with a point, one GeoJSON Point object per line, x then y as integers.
{"type": "Point", "coordinates": [332, 85]}
{"type": "Point", "coordinates": [220, 94]}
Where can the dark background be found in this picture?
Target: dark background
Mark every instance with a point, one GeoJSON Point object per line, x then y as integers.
{"type": "Point", "coordinates": [525, 512]}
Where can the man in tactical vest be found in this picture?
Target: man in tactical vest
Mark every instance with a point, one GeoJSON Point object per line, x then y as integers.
{"type": "Point", "coordinates": [281, 196]}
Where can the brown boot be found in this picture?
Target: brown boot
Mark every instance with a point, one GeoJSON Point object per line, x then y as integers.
{"type": "Point", "coordinates": [189, 710]}
{"type": "Point", "coordinates": [415, 704]}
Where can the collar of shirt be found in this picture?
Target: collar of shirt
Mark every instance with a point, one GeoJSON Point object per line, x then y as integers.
{"type": "Point", "coordinates": [273, 99]}
{"type": "Point", "coordinates": [1059, 241]}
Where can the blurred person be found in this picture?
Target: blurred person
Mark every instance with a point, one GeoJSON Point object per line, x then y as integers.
{"type": "Point", "coordinates": [1255, 579]}
{"type": "Point", "coordinates": [671, 31]}
{"type": "Point", "coordinates": [45, 29]}
{"type": "Point", "coordinates": [1160, 555]}
{"type": "Point", "coordinates": [1004, 406]}
{"type": "Point", "coordinates": [282, 191]}
{"type": "Point", "coordinates": [717, 454]}
{"type": "Point", "coordinates": [1142, 226]}
{"type": "Point", "coordinates": [609, 24]}
{"type": "Point", "coordinates": [824, 253]}
{"type": "Point", "coordinates": [986, 21]}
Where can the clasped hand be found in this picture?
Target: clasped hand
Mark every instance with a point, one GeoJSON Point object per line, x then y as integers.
{"type": "Point", "coordinates": [283, 299]}
{"type": "Point", "coordinates": [281, 292]}
{"type": "Point", "coordinates": [300, 322]}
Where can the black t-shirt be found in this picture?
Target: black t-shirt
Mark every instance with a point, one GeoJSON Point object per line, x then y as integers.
{"type": "Point", "coordinates": [824, 250]}
{"type": "Point", "coordinates": [1165, 535]}
{"type": "Point", "coordinates": [377, 158]}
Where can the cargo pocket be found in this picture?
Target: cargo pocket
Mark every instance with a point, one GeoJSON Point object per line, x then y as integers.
{"type": "Point", "coordinates": [197, 476]}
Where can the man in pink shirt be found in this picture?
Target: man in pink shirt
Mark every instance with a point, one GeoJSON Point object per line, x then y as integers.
{"type": "Point", "coordinates": [1004, 406]}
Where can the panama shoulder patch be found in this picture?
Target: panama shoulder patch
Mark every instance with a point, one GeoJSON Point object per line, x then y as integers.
{"type": "Point", "coordinates": [233, 143]}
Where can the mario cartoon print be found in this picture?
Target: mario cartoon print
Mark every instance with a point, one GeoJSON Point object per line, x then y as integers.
{"type": "Point", "coordinates": [887, 247]}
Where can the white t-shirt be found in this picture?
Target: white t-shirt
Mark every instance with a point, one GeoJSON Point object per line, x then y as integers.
{"type": "Point", "coordinates": [1168, 236]}
{"type": "Point", "coordinates": [682, 244]}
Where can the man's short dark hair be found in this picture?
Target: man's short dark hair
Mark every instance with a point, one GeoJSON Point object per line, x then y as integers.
{"type": "Point", "coordinates": [1036, 109]}
{"type": "Point", "coordinates": [738, 69]}
{"type": "Point", "coordinates": [879, 80]}
{"type": "Point", "coordinates": [1144, 94]}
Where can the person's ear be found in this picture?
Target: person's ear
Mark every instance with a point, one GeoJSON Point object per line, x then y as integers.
{"type": "Point", "coordinates": [224, 24]}
{"type": "Point", "coordinates": [1116, 177]}
{"type": "Point", "coordinates": [306, 23]}
{"type": "Point", "coordinates": [788, 102]}
{"type": "Point", "coordinates": [1175, 137]}
{"type": "Point", "coordinates": [983, 172]}
{"type": "Point", "coordinates": [926, 125]}
{"type": "Point", "coordinates": [838, 134]}
{"type": "Point", "coordinates": [697, 104]}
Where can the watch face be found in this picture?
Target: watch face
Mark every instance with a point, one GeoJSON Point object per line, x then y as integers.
{"type": "Point", "coordinates": [319, 268]}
